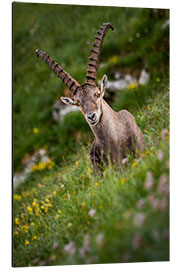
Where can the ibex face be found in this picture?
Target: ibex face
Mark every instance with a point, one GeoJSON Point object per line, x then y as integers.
{"type": "Point", "coordinates": [88, 98]}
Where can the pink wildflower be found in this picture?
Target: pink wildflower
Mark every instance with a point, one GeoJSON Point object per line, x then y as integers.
{"type": "Point", "coordinates": [70, 248]}
{"type": "Point", "coordinates": [100, 239]}
{"type": "Point", "coordinates": [160, 155]}
{"type": "Point", "coordinates": [149, 181]}
{"type": "Point", "coordinates": [86, 245]}
{"type": "Point", "coordinates": [137, 240]}
{"type": "Point", "coordinates": [140, 203]}
{"type": "Point", "coordinates": [139, 219]}
{"type": "Point", "coordinates": [163, 186]}
{"type": "Point", "coordinates": [92, 212]}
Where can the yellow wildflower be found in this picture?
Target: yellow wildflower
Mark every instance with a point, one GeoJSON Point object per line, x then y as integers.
{"type": "Point", "coordinates": [114, 59]}
{"type": "Point", "coordinates": [33, 167]}
{"type": "Point", "coordinates": [83, 204]}
{"type": "Point", "coordinates": [30, 211]}
{"type": "Point", "coordinates": [15, 233]}
{"type": "Point", "coordinates": [53, 257]}
{"type": "Point", "coordinates": [134, 164]}
{"type": "Point", "coordinates": [47, 199]}
{"type": "Point", "coordinates": [22, 216]}
{"type": "Point", "coordinates": [123, 181]}
{"type": "Point", "coordinates": [50, 164]}
{"type": "Point", "coordinates": [24, 228]}
{"type": "Point", "coordinates": [35, 130]}
{"type": "Point", "coordinates": [49, 205]}
{"type": "Point", "coordinates": [90, 171]}
{"type": "Point", "coordinates": [16, 220]}
{"type": "Point", "coordinates": [34, 237]}
{"type": "Point", "coordinates": [133, 85]}
{"type": "Point", "coordinates": [149, 107]}
{"type": "Point", "coordinates": [27, 243]}
{"type": "Point", "coordinates": [17, 197]}
{"type": "Point", "coordinates": [35, 203]}
{"type": "Point", "coordinates": [32, 224]}
{"type": "Point", "coordinates": [60, 211]}
{"type": "Point", "coordinates": [57, 216]}
{"type": "Point", "coordinates": [77, 163]}
{"type": "Point", "coordinates": [97, 184]}
{"type": "Point", "coordinates": [143, 155]}
{"type": "Point", "coordinates": [40, 185]}
{"type": "Point", "coordinates": [54, 193]}
{"type": "Point", "coordinates": [25, 193]}
{"type": "Point", "coordinates": [41, 166]}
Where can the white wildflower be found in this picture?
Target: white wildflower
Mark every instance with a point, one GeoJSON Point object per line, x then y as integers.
{"type": "Point", "coordinates": [124, 161]}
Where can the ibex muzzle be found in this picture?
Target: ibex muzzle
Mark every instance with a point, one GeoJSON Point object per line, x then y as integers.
{"type": "Point", "coordinates": [116, 133]}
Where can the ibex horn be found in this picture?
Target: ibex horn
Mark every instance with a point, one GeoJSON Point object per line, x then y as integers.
{"type": "Point", "coordinates": [71, 83]}
{"type": "Point", "coordinates": [95, 54]}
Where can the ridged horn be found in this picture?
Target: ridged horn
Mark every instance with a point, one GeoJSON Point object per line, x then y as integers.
{"type": "Point", "coordinates": [71, 83]}
{"type": "Point", "coordinates": [95, 54]}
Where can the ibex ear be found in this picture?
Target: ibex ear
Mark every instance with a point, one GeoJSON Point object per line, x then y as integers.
{"type": "Point", "coordinates": [68, 101]}
{"type": "Point", "coordinates": [103, 84]}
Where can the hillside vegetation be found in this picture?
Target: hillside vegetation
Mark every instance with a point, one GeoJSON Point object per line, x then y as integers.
{"type": "Point", "coordinates": [64, 213]}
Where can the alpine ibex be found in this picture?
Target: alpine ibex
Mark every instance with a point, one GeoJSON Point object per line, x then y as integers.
{"type": "Point", "coordinates": [116, 133]}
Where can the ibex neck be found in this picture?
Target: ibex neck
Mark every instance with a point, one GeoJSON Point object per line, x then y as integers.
{"type": "Point", "coordinates": [104, 131]}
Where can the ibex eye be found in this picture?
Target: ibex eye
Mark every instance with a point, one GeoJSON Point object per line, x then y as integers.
{"type": "Point", "coordinates": [97, 95]}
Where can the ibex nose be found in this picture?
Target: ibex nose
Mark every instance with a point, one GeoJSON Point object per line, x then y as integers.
{"type": "Point", "coordinates": [91, 116]}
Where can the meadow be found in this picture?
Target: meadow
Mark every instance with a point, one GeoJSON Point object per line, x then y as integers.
{"type": "Point", "coordinates": [64, 213]}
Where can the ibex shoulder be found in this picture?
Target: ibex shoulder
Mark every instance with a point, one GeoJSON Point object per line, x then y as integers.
{"type": "Point", "coordinates": [126, 116]}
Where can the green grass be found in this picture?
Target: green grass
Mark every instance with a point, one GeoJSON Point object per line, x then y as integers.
{"type": "Point", "coordinates": [75, 190]}
{"type": "Point", "coordinates": [52, 207]}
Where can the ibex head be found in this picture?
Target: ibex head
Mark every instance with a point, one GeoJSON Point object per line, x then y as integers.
{"type": "Point", "coordinates": [88, 97]}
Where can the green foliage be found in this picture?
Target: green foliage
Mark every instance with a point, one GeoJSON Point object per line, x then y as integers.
{"type": "Point", "coordinates": [66, 214]}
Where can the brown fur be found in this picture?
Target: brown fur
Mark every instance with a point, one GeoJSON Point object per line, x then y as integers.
{"type": "Point", "coordinates": [116, 135]}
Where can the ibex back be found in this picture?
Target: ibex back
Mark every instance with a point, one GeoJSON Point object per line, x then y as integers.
{"type": "Point", "coordinates": [116, 133]}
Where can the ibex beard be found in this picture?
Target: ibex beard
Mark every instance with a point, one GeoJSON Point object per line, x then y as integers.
{"type": "Point", "coordinates": [116, 133]}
